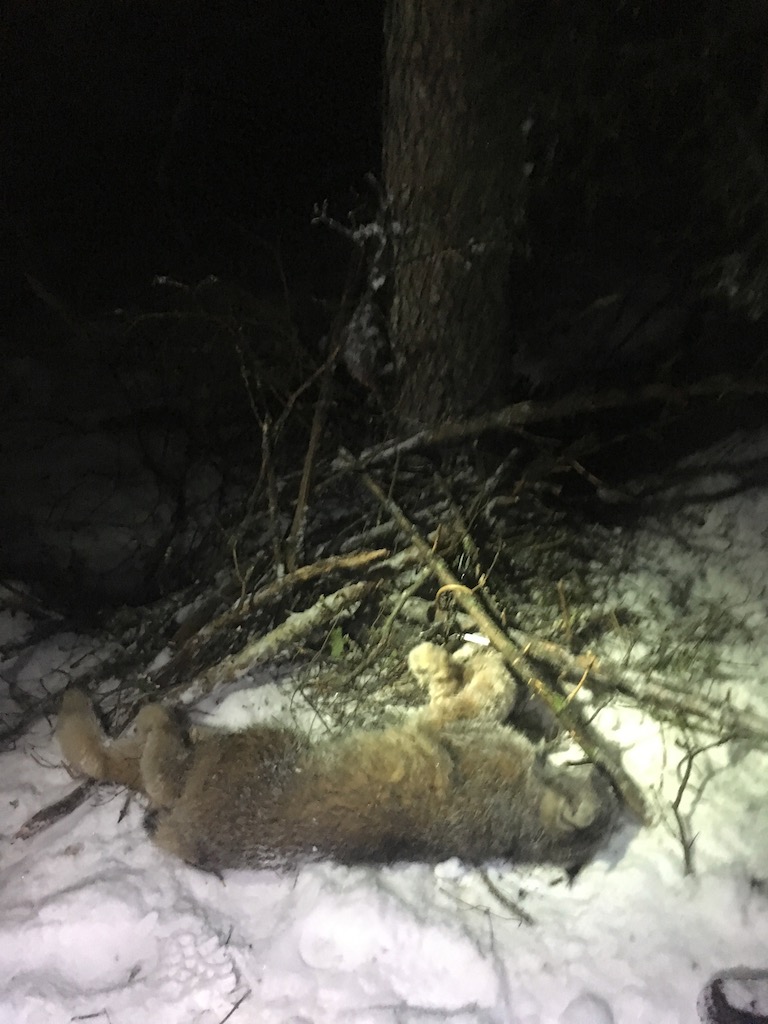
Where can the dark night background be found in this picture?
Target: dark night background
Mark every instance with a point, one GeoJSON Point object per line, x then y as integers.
{"type": "Point", "coordinates": [193, 140]}
{"type": "Point", "coordinates": [147, 139]}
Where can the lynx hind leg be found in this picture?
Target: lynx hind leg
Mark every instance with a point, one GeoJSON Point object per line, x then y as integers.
{"type": "Point", "coordinates": [87, 749]}
{"type": "Point", "coordinates": [436, 671]}
{"type": "Point", "coordinates": [490, 690]}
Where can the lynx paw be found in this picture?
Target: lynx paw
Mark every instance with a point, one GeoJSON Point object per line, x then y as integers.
{"type": "Point", "coordinates": [435, 670]}
{"type": "Point", "coordinates": [473, 683]}
{"type": "Point", "coordinates": [489, 687]}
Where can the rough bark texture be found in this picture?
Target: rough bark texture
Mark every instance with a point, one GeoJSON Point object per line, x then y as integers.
{"type": "Point", "coordinates": [453, 152]}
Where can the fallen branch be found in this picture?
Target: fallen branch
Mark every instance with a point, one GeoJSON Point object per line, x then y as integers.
{"type": "Point", "coordinates": [329, 608]}
{"type": "Point", "coordinates": [687, 840]}
{"type": "Point", "coordinates": [273, 505]}
{"type": "Point", "coordinates": [512, 417]}
{"type": "Point", "coordinates": [506, 901]}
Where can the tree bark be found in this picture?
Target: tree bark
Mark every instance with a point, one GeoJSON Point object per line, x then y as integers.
{"type": "Point", "coordinates": [453, 168]}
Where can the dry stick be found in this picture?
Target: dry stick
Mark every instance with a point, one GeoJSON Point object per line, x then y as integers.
{"type": "Point", "coordinates": [304, 386]}
{"type": "Point", "coordinates": [236, 1006]}
{"type": "Point", "coordinates": [294, 543]}
{"type": "Point", "coordinates": [506, 901]}
{"type": "Point", "coordinates": [27, 603]}
{"type": "Point", "coordinates": [55, 812]}
{"type": "Point", "coordinates": [323, 567]}
{"type": "Point", "coordinates": [563, 600]}
{"type": "Point", "coordinates": [270, 432]}
{"type": "Point", "coordinates": [57, 305]}
{"type": "Point", "coordinates": [399, 603]}
{"type": "Point", "coordinates": [268, 471]}
{"type": "Point", "coordinates": [375, 534]}
{"type": "Point", "coordinates": [242, 578]}
{"type": "Point", "coordinates": [468, 544]}
{"type": "Point", "coordinates": [583, 733]}
{"type": "Point", "coordinates": [513, 416]}
{"type": "Point", "coordinates": [295, 540]}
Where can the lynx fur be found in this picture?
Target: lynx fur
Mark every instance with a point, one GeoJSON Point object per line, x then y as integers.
{"type": "Point", "coordinates": [450, 781]}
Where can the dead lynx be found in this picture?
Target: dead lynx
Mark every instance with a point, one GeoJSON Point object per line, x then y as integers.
{"type": "Point", "coordinates": [450, 781]}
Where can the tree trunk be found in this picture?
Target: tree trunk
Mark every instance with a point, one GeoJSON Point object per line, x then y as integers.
{"type": "Point", "coordinates": [453, 169]}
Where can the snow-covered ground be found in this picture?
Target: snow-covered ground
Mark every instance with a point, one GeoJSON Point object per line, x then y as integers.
{"type": "Point", "coordinates": [97, 924]}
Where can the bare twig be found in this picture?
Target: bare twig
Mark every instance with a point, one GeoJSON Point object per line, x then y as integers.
{"type": "Point", "coordinates": [580, 683]}
{"type": "Point", "coordinates": [268, 472]}
{"type": "Point", "coordinates": [236, 1006]}
{"type": "Point", "coordinates": [506, 901]}
{"type": "Point", "coordinates": [294, 543]}
{"type": "Point", "coordinates": [565, 613]}
{"type": "Point", "coordinates": [55, 812]}
{"type": "Point", "coordinates": [687, 839]}
{"type": "Point", "coordinates": [321, 370]}
{"type": "Point", "coordinates": [463, 525]}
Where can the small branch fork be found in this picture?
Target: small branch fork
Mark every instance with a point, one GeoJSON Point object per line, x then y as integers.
{"type": "Point", "coordinates": [687, 839]}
